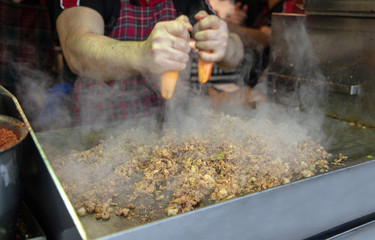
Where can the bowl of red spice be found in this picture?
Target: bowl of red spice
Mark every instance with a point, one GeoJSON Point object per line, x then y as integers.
{"type": "Point", "coordinates": [12, 134]}
{"type": "Point", "coordinates": [7, 138]}
{"type": "Point", "coordinates": [12, 131]}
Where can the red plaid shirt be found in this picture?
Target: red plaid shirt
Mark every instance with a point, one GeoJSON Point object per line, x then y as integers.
{"type": "Point", "coordinates": [98, 102]}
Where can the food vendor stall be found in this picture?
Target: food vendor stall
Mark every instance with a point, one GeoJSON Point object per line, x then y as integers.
{"type": "Point", "coordinates": [320, 64]}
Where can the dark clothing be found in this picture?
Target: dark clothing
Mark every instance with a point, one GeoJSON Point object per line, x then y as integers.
{"type": "Point", "coordinates": [259, 15]}
{"type": "Point", "coordinates": [25, 40]}
{"type": "Point", "coordinates": [96, 102]}
{"type": "Point", "coordinates": [254, 9]}
{"type": "Point", "coordinates": [127, 20]}
{"type": "Point", "coordinates": [109, 9]}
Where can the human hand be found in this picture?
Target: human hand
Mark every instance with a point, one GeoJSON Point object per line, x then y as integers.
{"type": "Point", "coordinates": [238, 15]}
{"type": "Point", "coordinates": [211, 35]}
{"type": "Point", "coordinates": [167, 48]}
{"type": "Point", "coordinates": [266, 30]}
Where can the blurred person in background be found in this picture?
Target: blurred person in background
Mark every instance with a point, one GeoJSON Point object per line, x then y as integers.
{"type": "Point", "coordinates": [116, 50]}
{"type": "Point", "coordinates": [26, 44]}
{"type": "Point", "coordinates": [252, 20]}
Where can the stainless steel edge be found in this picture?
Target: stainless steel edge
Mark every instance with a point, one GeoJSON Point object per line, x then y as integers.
{"type": "Point", "coordinates": [43, 192]}
{"type": "Point", "coordinates": [363, 232]}
{"type": "Point", "coordinates": [293, 211]}
{"type": "Point", "coordinates": [342, 7]}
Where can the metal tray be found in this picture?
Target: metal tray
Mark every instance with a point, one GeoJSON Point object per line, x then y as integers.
{"type": "Point", "coordinates": [298, 210]}
{"type": "Point", "coordinates": [42, 193]}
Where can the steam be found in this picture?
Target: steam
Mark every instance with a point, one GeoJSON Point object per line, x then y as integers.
{"type": "Point", "coordinates": [300, 107]}
{"type": "Point", "coordinates": [32, 86]}
{"type": "Point", "coordinates": [307, 95]}
{"type": "Point", "coordinates": [184, 110]}
{"type": "Point", "coordinates": [295, 119]}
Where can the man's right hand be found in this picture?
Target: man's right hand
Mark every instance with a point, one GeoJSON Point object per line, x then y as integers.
{"type": "Point", "coordinates": [85, 47]}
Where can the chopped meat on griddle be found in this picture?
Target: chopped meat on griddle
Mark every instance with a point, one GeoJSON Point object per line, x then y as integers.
{"type": "Point", "coordinates": [181, 172]}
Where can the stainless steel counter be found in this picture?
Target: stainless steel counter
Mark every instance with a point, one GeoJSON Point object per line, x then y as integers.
{"type": "Point", "coordinates": [340, 7]}
{"type": "Point", "coordinates": [327, 62]}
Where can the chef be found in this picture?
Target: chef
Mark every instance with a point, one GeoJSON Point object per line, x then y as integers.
{"type": "Point", "coordinates": [119, 49]}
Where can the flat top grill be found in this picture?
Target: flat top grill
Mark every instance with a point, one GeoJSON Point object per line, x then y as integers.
{"type": "Point", "coordinates": [352, 141]}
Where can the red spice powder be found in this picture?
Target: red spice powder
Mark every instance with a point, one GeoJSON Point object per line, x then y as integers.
{"type": "Point", "coordinates": [7, 138]}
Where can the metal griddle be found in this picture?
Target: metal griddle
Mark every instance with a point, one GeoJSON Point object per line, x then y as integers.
{"type": "Point", "coordinates": [294, 204]}
{"type": "Point", "coordinates": [297, 210]}
{"type": "Point", "coordinates": [314, 208]}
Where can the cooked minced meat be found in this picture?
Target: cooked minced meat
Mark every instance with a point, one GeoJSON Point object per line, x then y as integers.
{"type": "Point", "coordinates": [180, 172]}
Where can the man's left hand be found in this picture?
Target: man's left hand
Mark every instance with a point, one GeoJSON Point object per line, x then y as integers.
{"type": "Point", "coordinates": [211, 35]}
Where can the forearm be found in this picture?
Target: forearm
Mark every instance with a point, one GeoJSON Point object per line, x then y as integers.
{"type": "Point", "coordinates": [105, 58]}
{"type": "Point", "coordinates": [251, 37]}
{"type": "Point", "coordinates": [89, 53]}
{"type": "Point", "coordinates": [233, 54]}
